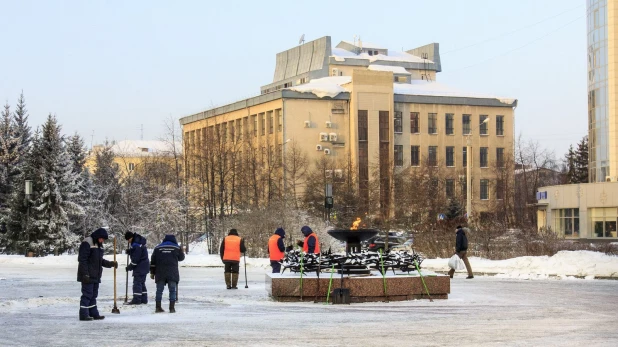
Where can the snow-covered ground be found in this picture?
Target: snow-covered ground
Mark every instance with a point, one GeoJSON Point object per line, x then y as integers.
{"type": "Point", "coordinates": [39, 299]}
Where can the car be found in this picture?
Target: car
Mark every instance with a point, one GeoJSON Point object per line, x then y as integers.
{"type": "Point", "coordinates": [377, 243]}
{"type": "Point", "coordinates": [406, 246]}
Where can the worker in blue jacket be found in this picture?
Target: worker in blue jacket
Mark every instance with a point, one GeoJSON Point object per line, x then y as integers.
{"type": "Point", "coordinates": [140, 265]}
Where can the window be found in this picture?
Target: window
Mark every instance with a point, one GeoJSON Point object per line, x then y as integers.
{"type": "Point", "coordinates": [500, 157]}
{"type": "Point", "coordinates": [483, 128]}
{"type": "Point", "coordinates": [465, 157]}
{"type": "Point", "coordinates": [484, 161]}
{"type": "Point", "coordinates": [398, 122]}
{"type": "Point", "coordinates": [131, 166]}
{"type": "Point", "coordinates": [500, 125]}
{"type": "Point", "coordinates": [232, 131]}
{"type": "Point", "coordinates": [224, 132]}
{"type": "Point", "coordinates": [500, 189]}
{"type": "Point", "coordinates": [465, 124]}
{"type": "Point", "coordinates": [464, 188]}
{"type": "Point", "coordinates": [362, 125]}
{"type": "Point", "coordinates": [279, 117]}
{"type": "Point", "coordinates": [415, 156]}
{"type": "Point", "coordinates": [603, 222]}
{"type": "Point", "coordinates": [450, 188]}
{"type": "Point", "coordinates": [432, 123]}
{"type": "Point", "coordinates": [384, 128]}
{"type": "Point", "coordinates": [566, 221]}
{"type": "Point", "coordinates": [414, 123]}
{"type": "Point", "coordinates": [484, 189]}
{"type": "Point", "coordinates": [450, 156]}
{"type": "Point", "coordinates": [262, 124]}
{"type": "Point", "coordinates": [449, 124]}
{"type": "Point", "coordinates": [432, 157]}
{"type": "Point", "coordinates": [433, 183]}
{"type": "Point", "coordinates": [398, 155]}
{"type": "Point", "coordinates": [255, 125]}
{"type": "Point", "coordinates": [271, 122]}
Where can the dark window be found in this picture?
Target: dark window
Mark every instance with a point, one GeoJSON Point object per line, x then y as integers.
{"type": "Point", "coordinates": [263, 124]}
{"type": "Point", "coordinates": [271, 123]}
{"type": "Point", "coordinates": [362, 125]}
{"type": "Point", "coordinates": [432, 123]}
{"type": "Point", "coordinates": [432, 157]}
{"type": "Point", "coordinates": [433, 183]}
{"type": "Point", "coordinates": [465, 157]}
{"type": "Point", "coordinates": [224, 132]}
{"type": "Point", "coordinates": [384, 126]}
{"type": "Point", "coordinates": [449, 124]}
{"type": "Point", "coordinates": [398, 155]}
{"type": "Point", "coordinates": [484, 189]}
{"type": "Point", "coordinates": [414, 123]}
{"type": "Point", "coordinates": [398, 122]}
{"type": "Point", "coordinates": [450, 156]}
{"type": "Point", "coordinates": [500, 189]}
{"type": "Point", "coordinates": [483, 128]}
{"type": "Point", "coordinates": [465, 124]}
{"type": "Point", "coordinates": [500, 157]}
{"type": "Point", "coordinates": [484, 160]}
{"type": "Point", "coordinates": [255, 125]}
{"type": "Point", "coordinates": [499, 125]}
{"type": "Point", "coordinates": [450, 188]}
{"type": "Point", "coordinates": [415, 156]}
{"type": "Point", "coordinates": [464, 188]}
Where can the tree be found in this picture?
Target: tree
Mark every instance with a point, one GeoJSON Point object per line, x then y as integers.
{"type": "Point", "coordinates": [9, 157]}
{"type": "Point", "coordinates": [571, 169]}
{"type": "Point", "coordinates": [581, 160]}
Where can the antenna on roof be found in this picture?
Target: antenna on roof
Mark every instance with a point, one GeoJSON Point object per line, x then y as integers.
{"type": "Point", "coordinates": [302, 39]}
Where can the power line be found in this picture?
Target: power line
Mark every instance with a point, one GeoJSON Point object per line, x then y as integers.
{"type": "Point", "coordinates": [520, 47]}
{"type": "Point", "coordinates": [511, 32]}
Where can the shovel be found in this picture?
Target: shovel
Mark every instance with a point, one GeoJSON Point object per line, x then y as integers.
{"type": "Point", "coordinates": [115, 308]}
{"type": "Point", "coordinates": [341, 295]}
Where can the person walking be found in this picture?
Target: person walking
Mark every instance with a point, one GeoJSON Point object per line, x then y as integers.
{"type": "Point", "coordinates": [230, 250]}
{"type": "Point", "coordinates": [276, 249]}
{"type": "Point", "coordinates": [310, 244]}
{"type": "Point", "coordinates": [89, 273]}
{"type": "Point", "coordinates": [164, 269]}
{"type": "Point", "coordinates": [461, 248]}
{"type": "Point", "coordinates": [139, 265]}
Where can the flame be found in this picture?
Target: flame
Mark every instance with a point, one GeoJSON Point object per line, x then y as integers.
{"type": "Point", "coordinates": [356, 223]}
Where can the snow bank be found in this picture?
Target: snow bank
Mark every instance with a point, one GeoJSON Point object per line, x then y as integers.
{"type": "Point", "coordinates": [395, 69]}
{"type": "Point", "coordinates": [321, 87]}
{"type": "Point", "coordinates": [421, 87]}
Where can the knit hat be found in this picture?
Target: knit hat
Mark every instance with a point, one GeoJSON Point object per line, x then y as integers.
{"type": "Point", "coordinates": [128, 235]}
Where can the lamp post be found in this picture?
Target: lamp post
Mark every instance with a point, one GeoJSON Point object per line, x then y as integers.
{"type": "Point", "coordinates": [469, 172]}
{"type": "Point", "coordinates": [28, 191]}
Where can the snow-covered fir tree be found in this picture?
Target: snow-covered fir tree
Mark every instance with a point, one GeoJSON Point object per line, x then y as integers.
{"type": "Point", "coordinates": [9, 145]}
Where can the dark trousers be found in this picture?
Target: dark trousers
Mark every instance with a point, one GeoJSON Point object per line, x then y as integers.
{"type": "Point", "coordinates": [276, 266]}
{"type": "Point", "coordinates": [88, 301]}
{"type": "Point", "coordinates": [171, 286]}
{"type": "Point", "coordinates": [140, 294]}
{"type": "Point", "coordinates": [232, 266]}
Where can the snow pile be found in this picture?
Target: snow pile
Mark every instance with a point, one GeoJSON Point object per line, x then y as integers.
{"type": "Point", "coordinates": [139, 148]}
{"type": "Point", "coordinates": [422, 87]}
{"type": "Point", "coordinates": [364, 44]}
{"type": "Point", "coordinates": [395, 69]}
{"type": "Point", "coordinates": [321, 87]}
{"type": "Point", "coordinates": [586, 264]}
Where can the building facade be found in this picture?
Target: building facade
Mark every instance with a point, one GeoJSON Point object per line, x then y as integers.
{"type": "Point", "coordinates": [378, 109]}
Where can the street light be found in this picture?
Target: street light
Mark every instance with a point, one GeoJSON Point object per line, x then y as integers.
{"type": "Point", "coordinates": [469, 172]}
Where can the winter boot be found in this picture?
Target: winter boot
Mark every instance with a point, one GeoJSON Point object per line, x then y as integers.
{"type": "Point", "coordinates": [137, 300]}
{"type": "Point", "coordinates": [144, 298]}
{"type": "Point", "coordinates": [172, 309]}
{"type": "Point", "coordinates": [228, 280]}
{"type": "Point", "coordinates": [86, 319]}
{"type": "Point", "coordinates": [98, 317]}
{"type": "Point", "coordinates": [159, 309]}
{"type": "Point", "coordinates": [234, 280]}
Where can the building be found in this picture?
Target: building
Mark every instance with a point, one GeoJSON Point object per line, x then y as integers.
{"type": "Point", "coordinates": [589, 211]}
{"type": "Point", "coordinates": [378, 107]}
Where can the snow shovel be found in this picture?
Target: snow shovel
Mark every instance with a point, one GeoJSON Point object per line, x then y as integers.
{"type": "Point", "coordinates": [341, 295]}
{"type": "Point", "coordinates": [115, 308]}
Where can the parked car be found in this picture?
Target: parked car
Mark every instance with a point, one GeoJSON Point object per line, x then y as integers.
{"type": "Point", "coordinates": [377, 243]}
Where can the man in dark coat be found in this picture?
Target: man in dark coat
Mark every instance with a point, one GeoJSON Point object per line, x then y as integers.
{"type": "Point", "coordinates": [230, 250]}
{"type": "Point", "coordinates": [164, 269]}
{"type": "Point", "coordinates": [139, 265]}
{"type": "Point", "coordinates": [89, 273]}
{"type": "Point", "coordinates": [461, 248]}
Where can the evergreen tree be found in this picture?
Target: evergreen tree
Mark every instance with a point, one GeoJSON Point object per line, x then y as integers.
{"type": "Point", "coordinates": [571, 170]}
{"type": "Point", "coordinates": [106, 179]}
{"type": "Point", "coordinates": [22, 129]}
{"type": "Point", "coordinates": [581, 160]}
{"type": "Point", "coordinates": [454, 210]}
{"type": "Point", "coordinates": [77, 152]}
{"type": "Point", "coordinates": [8, 159]}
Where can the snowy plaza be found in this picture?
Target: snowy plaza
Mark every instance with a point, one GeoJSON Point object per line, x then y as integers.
{"type": "Point", "coordinates": [554, 301]}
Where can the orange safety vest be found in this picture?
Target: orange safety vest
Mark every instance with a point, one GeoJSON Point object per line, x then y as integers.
{"type": "Point", "coordinates": [273, 249]}
{"type": "Point", "coordinates": [317, 244]}
{"type": "Point", "coordinates": [231, 250]}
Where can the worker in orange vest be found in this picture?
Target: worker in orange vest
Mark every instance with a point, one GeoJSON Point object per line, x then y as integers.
{"type": "Point", "coordinates": [230, 250]}
{"type": "Point", "coordinates": [311, 243]}
{"type": "Point", "coordinates": [276, 249]}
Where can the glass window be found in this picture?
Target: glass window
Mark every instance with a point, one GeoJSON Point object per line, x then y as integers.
{"type": "Point", "coordinates": [449, 124]}
{"type": "Point", "coordinates": [465, 124]}
{"type": "Point", "coordinates": [279, 117]}
{"type": "Point", "coordinates": [500, 157]}
{"type": "Point", "coordinates": [450, 156]}
{"type": "Point", "coordinates": [483, 156]}
{"type": "Point", "coordinates": [432, 158]}
{"type": "Point", "coordinates": [465, 157]}
{"type": "Point", "coordinates": [384, 126]}
{"type": "Point", "coordinates": [483, 128]}
{"type": "Point", "coordinates": [566, 222]}
{"type": "Point", "coordinates": [262, 124]}
{"type": "Point", "coordinates": [271, 122]}
{"type": "Point", "coordinates": [398, 122]}
{"type": "Point", "coordinates": [500, 189]}
{"type": "Point", "coordinates": [484, 189]}
{"type": "Point", "coordinates": [450, 188]}
{"type": "Point", "coordinates": [414, 123]}
{"type": "Point", "coordinates": [255, 125]}
{"type": "Point", "coordinates": [432, 123]}
{"type": "Point", "coordinates": [362, 125]}
{"type": "Point", "coordinates": [464, 188]}
{"type": "Point", "coordinates": [500, 125]}
{"type": "Point", "coordinates": [415, 156]}
{"type": "Point", "coordinates": [398, 155]}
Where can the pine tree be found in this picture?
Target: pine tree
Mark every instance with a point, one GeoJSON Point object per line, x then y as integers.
{"type": "Point", "coordinates": [106, 179]}
{"type": "Point", "coordinates": [8, 159]}
{"type": "Point", "coordinates": [571, 173]}
{"type": "Point", "coordinates": [581, 160]}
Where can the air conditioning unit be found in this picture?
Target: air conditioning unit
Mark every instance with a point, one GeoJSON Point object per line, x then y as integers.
{"type": "Point", "coordinates": [332, 137]}
{"type": "Point", "coordinates": [338, 173]}
{"type": "Point", "coordinates": [329, 124]}
{"type": "Point", "coordinates": [323, 137]}
{"type": "Point", "coordinates": [335, 72]}
{"type": "Point", "coordinates": [318, 147]}
{"type": "Point", "coordinates": [327, 151]}
{"type": "Point", "coordinates": [611, 179]}
{"type": "Point", "coordinates": [307, 124]}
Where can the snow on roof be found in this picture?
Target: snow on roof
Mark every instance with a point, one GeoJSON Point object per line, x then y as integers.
{"type": "Point", "coordinates": [341, 54]}
{"type": "Point", "coordinates": [321, 87]}
{"type": "Point", "coordinates": [421, 87]}
{"type": "Point", "coordinates": [138, 148]}
{"type": "Point", "coordinates": [395, 69]}
{"type": "Point", "coordinates": [364, 44]}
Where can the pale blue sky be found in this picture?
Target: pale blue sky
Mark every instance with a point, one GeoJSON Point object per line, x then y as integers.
{"type": "Point", "coordinates": [110, 66]}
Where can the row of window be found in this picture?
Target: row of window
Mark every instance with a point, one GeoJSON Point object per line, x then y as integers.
{"type": "Point", "coordinates": [432, 156]}
{"type": "Point", "coordinates": [449, 122]}
{"type": "Point", "coordinates": [483, 185]}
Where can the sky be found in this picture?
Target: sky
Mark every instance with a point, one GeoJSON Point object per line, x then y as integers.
{"type": "Point", "coordinates": [118, 70]}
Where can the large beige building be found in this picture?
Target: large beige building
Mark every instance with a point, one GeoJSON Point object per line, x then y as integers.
{"type": "Point", "coordinates": [378, 107]}
{"type": "Point", "coordinates": [590, 211]}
